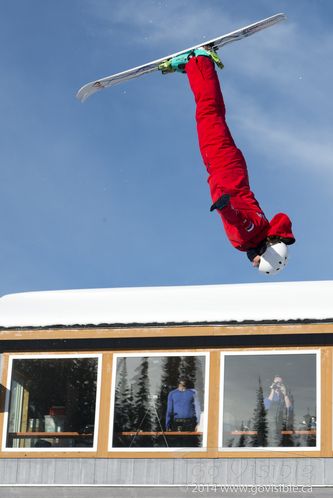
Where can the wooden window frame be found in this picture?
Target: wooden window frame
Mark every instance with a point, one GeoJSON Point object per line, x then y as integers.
{"type": "Point", "coordinates": [212, 450]}
{"type": "Point", "coordinates": [151, 354]}
{"type": "Point", "coordinates": [6, 383]}
{"type": "Point", "coordinates": [266, 352]}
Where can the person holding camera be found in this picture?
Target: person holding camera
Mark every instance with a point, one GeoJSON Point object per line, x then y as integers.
{"type": "Point", "coordinates": [279, 412]}
{"type": "Point", "coordinates": [278, 394]}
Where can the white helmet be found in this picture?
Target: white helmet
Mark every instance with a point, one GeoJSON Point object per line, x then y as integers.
{"type": "Point", "coordinates": [274, 259]}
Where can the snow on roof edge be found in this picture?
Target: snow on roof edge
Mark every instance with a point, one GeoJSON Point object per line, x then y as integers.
{"type": "Point", "coordinates": [199, 304]}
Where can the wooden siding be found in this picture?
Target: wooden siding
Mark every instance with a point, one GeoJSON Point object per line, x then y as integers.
{"type": "Point", "coordinates": [164, 472]}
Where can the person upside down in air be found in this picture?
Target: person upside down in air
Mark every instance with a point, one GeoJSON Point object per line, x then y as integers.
{"type": "Point", "coordinates": [245, 224]}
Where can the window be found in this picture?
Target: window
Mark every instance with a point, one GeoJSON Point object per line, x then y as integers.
{"type": "Point", "coordinates": [155, 403]}
{"type": "Point", "coordinates": [51, 403]}
{"type": "Point", "coordinates": [270, 400]}
{"type": "Point", "coordinates": [159, 401]}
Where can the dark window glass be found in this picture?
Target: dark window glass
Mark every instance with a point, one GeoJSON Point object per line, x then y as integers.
{"type": "Point", "coordinates": [269, 400]}
{"type": "Point", "coordinates": [159, 402]}
{"type": "Point", "coordinates": [52, 403]}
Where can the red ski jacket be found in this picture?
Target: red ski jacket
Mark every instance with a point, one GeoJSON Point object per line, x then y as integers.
{"type": "Point", "coordinates": [245, 224]}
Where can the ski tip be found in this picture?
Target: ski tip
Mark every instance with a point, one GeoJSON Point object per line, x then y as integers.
{"type": "Point", "coordinates": [88, 89]}
{"type": "Point", "coordinates": [81, 95]}
{"type": "Point", "coordinates": [281, 16]}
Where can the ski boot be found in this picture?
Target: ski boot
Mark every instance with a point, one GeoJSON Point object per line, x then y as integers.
{"type": "Point", "coordinates": [179, 62]}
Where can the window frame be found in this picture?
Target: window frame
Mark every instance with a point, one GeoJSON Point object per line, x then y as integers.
{"type": "Point", "coordinates": [142, 354]}
{"type": "Point", "coordinates": [108, 353]}
{"type": "Point", "coordinates": [7, 385]}
{"type": "Point", "coordinates": [293, 449]}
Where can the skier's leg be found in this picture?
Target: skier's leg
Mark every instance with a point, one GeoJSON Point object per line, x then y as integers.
{"type": "Point", "coordinates": [224, 161]}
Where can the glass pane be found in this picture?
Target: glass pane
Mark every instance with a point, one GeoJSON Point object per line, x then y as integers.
{"type": "Point", "coordinates": [159, 402]}
{"type": "Point", "coordinates": [269, 400]}
{"type": "Point", "coordinates": [52, 403]}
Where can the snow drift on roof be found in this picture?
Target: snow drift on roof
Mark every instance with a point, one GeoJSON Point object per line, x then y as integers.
{"type": "Point", "coordinates": [162, 305]}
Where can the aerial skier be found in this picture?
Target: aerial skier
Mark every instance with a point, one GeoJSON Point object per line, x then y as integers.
{"type": "Point", "coordinates": [245, 224]}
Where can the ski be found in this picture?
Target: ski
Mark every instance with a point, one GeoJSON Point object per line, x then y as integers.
{"type": "Point", "coordinates": [216, 43]}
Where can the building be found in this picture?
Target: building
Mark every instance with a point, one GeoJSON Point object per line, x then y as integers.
{"type": "Point", "coordinates": [153, 391]}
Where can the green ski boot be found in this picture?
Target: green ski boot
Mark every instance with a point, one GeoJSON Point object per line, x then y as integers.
{"type": "Point", "coordinates": [179, 62]}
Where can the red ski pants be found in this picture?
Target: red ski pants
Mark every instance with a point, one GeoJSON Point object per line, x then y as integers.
{"type": "Point", "coordinates": [225, 163]}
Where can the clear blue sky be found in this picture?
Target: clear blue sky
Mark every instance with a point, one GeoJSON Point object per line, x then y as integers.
{"type": "Point", "coordinates": [112, 192]}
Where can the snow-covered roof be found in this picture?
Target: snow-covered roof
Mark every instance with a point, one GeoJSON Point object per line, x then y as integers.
{"type": "Point", "coordinates": [277, 301]}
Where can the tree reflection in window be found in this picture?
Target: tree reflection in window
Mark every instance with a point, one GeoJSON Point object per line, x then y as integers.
{"type": "Point", "coordinates": [52, 402]}
{"type": "Point", "coordinates": [270, 400]}
{"type": "Point", "coordinates": [146, 389]}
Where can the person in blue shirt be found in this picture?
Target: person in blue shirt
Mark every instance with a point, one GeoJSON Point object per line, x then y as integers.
{"type": "Point", "coordinates": [183, 408]}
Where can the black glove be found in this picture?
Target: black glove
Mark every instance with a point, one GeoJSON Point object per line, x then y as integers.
{"type": "Point", "coordinates": [221, 203]}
